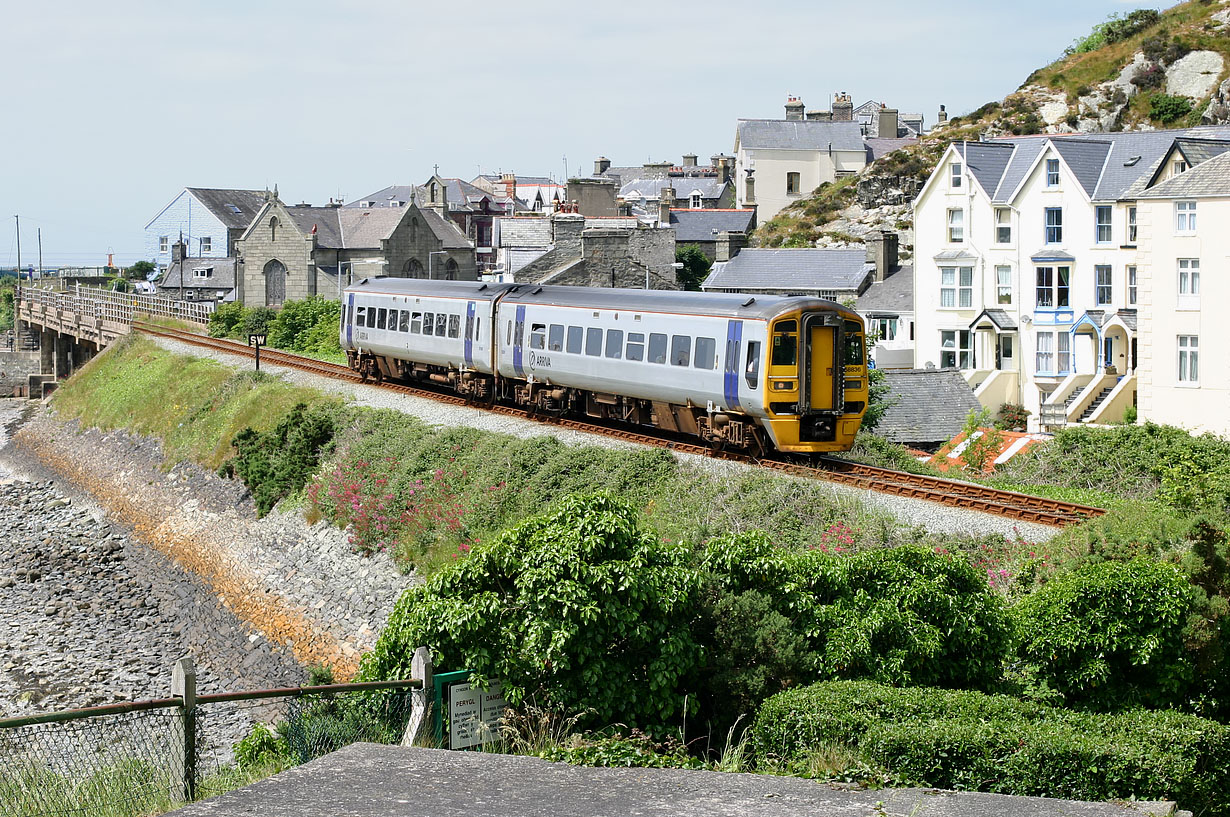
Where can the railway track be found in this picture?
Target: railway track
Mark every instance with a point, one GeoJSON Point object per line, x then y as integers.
{"type": "Point", "coordinates": [952, 492]}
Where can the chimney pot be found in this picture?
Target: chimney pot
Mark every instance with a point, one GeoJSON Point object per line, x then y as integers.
{"type": "Point", "coordinates": [794, 109]}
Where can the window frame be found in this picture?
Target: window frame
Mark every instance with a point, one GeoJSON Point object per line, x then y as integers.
{"type": "Point", "coordinates": [614, 348]}
{"type": "Point", "coordinates": [1052, 174]}
{"type": "Point", "coordinates": [1185, 217]}
{"type": "Point", "coordinates": [1130, 275]}
{"type": "Point", "coordinates": [956, 226]}
{"type": "Point", "coordinates": [956, 172]}
{"type": "Point", "coordinates": [1131, 225]}
{"type": "Point", "coordinates": [1187, 372]}
{"type": "Point", "coordinates": [206, 244]}
{"type": "Point", "coordinates": [1053, 287]}
{"type": "Point", "coordinates": [555, 337]}
{"type": "Point", "coordinates": [681, 350]}
{"type": "Point", "coordinates": [164, 244]}
{"type": "Point", "coordinates": [1052, 230]}
{"type": "Point", "coordinates": [1003, 228]}
{"type": "Point", "coordinates": [593, 341]}
{"type": "Point", "coordinates": [1103, 291]}
{"type": "Point", "coordinates": [1188, 283]}
{"type": "Point", "coordinates": [704, 350]}
{"type": "Point", "coordinates": [1003, 284]}
{"type": "Point", "coordinates": [794, 182]}
{"type": "Point", "coordinates": [574, 341]}
{"type": "Point", "coordinates": [961, 287]}
{"type": "Point", "coordinates": [1103, 230]}
{"type": "Point", "coordinates": [953, 357]}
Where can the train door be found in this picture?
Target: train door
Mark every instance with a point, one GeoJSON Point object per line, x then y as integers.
{"type": "Point", "coordinates": [469, 336]}
{"type": "Point", "coordinates": [730, 383]}
{"type": "Point", "coordinates": [822, 352]}
{"type": "Point", "coordinates": [517, 339]}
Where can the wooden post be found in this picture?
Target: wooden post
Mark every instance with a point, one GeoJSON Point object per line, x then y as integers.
{"type": "Point", "coordinates": [420, 699]}
{"type": "Point", "coordinates": [183, 685]}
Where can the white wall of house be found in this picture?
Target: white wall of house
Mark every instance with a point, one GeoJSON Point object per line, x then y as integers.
{"type": "Point", "coordinates": [947, 304]}
{"type": "Point", "coordinates": [772, 169]}
{"type": "Point", "coordinates": [1171, 319]}
{"type": "Point", "coordinates": [204, 234]}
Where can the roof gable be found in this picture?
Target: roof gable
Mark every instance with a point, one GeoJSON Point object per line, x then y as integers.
{"type": "Point", "coordinates": [805, 134]}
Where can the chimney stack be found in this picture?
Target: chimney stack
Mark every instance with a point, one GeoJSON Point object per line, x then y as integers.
{"type": "Point", "coordinates": [689, 160]}
{"type": "Point", "coordinates": [178, 251]}
{"type": "Point", "coordinates": [729, 243]}
{"type": "Point", "coordinates": [882, 251]}
{"type": "Point", "coordinates": [665, 203]}
{"type": "Point", "coordinates": [819, 116]}
{"type": "Point", "coordinates": [508, 182]}
{"type": "Point", "coordinates": [942, 116]}
{"type": "Point", "coordinates": [656, 170]}
{"type": "Point", "coordinates": [725, 166]}
{"type": "Point", "coordinates": [601, 165]}
{"type": "Point", "coordinates": [887, 123]}
{"type": "Point", "coordinates": [794, 109]}
{"type": "Point", "coordinates": [843, 108]}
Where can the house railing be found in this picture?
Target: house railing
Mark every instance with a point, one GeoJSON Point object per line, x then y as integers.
{"type": "Point", "coordinates": [120, 307]}
{"type": "Point", "coordinates": [149, 756]}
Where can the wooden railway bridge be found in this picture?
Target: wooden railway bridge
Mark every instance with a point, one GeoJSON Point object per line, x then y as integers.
{"type": "Point", "coordinates": [74, 325]}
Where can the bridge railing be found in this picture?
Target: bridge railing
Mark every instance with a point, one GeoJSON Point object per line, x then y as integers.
{"type": "Point", "coordinates": [121, 307]}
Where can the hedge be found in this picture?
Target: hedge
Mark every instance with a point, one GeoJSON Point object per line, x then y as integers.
{"type": "Point", "coordinates": [969, 740]}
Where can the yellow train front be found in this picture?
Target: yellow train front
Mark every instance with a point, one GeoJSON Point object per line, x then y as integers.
{"type": "Point", "coordinates": [816, 385]}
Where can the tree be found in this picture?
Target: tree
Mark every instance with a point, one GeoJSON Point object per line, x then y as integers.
{"type": "Point", "coordinates": [139, 271]}
{"type": "Point", "coordinates": [695, 266]}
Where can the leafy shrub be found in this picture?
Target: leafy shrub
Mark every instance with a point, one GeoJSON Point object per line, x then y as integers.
{"type": "Point", "coordinates": [226, 319]}
{"type": "Point", "coordinates": [1112, 634]}
{"type": "Point", "coordinates": [1166, 109]}
{"type": "Point", "coordinates": [951, 739]}
{"type": "Point", "coordinates": [261, 747]}
{"type": "Point", "coordinates": [1012, 417]}
{"type": "Point", "coordinates": [278, 462]}
{"type": "Point", "coordinates": [301, 324]}
{"type": "Point", "coordinates": [578, 609]}
{"type": "Point", "coordinates": [256, 320]}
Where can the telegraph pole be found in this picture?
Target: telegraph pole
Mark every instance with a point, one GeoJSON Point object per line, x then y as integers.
{"type": "Point", "coordinates": [40, 256]}
{"type": "Point", "coordinates": [18, 219]}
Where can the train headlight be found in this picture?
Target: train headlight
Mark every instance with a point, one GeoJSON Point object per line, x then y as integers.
{"type": "Point", "coordinates": [783, 385]}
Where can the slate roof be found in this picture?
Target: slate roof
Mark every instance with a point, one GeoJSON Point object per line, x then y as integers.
{"type": "Point", "coordinates": [1085, 159]}
{"type": "Point", "coordinates": [401, 193]}
{"type": "Point", "coordinates": [328, 228]}
{"type": "Point", "coordinates": [877, 147]}
{"type": "Point", "coordinates": [224, 203]}
{"type": "Point", "coordinates": [180, 274]}
{"type": "Point", "coordinates": [1197, 151]}
{"type": "Point", "coordinates": [779, 134]}
{"type": "Point", "coordinates": [1210, 178]}
{"type": "Point", "coordinates": [1045, 254]}
{"type": "Point", "coordinates": [523, 232]}
{"type": "Point", "coordinates": [704, 225]}
{"type": "Point", "coordinates": [450, 235]}
{"type": "Point", "coordinates": [1109, 166]}
{"type": "Point", "coordinates": [892, 296]}
{"type": "Point", "coordinates": [805, 269]}
{"type": "Point", "coordinates": [926, 406]}
{"type": "Point", "coordinates": [998, 317]}
{"type": "Point", "coordinates": [367, 227]}
{"type": "Point", "coordinates": [710, 187]}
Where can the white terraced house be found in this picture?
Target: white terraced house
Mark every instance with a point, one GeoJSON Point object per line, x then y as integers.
{"type": "Point", "coordinates": [1028, 269]}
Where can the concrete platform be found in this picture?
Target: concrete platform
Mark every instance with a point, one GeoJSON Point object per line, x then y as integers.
{"type": "Point", "coordinates": [389, 781]}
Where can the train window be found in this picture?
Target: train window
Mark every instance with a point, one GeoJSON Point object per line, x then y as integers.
{"type": "Point", "coordinates": [636, 345]}
{"type": "Point", "coordinates": [657, 348]}
{"type": "Point", "coordinates": [538, 336]}
{"type": "Point", "coordinates": [509, 334]}
{"type": "Point", "coordinates": [593, 342]}
{"type": "Point", "coordinates": [416, 323]}
{"type": "Point", "coordinates": [575, 336]}
{"type": "Point", "coordinates": [854, 344]}
{"type": "Point", "coordinates": [614, 343]}
{"type": "Point", "coordinates": [681, 350]}
{"type": "Point", "coordinates": [706, 351]}
{"type": "Point", "coordinates": [441, 324]}
{"type": "Point", "coordinates": [454, 326]}
{"type": "Point", "coordinates": [360, 316]}
{"type": "Point", "coordinates": [429, 320]}
{"type": "Point", "coordinates": [381, 316]}
{"type": "Point", "coordinates": [404, 322]}
{"type": "Point", "coordinates": [785, 343]}
{"type": "Point", "coordinates": [469, 327]}
{"type": "Point", "coordinates": [555, 338]}
{"type": "Point", "coordinates": [751, 372]}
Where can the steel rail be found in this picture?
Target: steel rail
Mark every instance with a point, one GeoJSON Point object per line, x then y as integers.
{"type": "Point", "coordinates": [951, 492]}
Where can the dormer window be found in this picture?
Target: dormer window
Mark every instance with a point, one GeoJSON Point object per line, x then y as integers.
{"type": "Point", "coordinates": [956, 176]}
{"type": "Point", "coordinates": [1180, 166]}
{"type": "Point", "coordinates": [697, 201]}
{"type": "Point", "coordinates": [1052, 172]}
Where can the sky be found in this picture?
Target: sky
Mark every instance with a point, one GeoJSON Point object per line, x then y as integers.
{"type": "Point", "coordinates": [111, 109]}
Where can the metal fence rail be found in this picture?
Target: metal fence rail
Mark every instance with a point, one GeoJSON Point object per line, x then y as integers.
{"type": "Point", "coordinates": [121, 307]}
{"type": "Point", "coordinates": [147, 757]}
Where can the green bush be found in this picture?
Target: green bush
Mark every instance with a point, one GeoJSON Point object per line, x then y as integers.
{"type": "Point", "coordinates": [226, 319]}
{"type": "Point", "coordinates": [1166, 109]}
{"type": "Point", "coordinates": [300, 323]}
{"type": "Point", "coordinates": [1111, 635]}
{"type": "Point", "coordinates": [578, 610]}
{"type": "Point", "coordinates": [278, 462]}
{"type": "Point", "coordinates": [969, 740]}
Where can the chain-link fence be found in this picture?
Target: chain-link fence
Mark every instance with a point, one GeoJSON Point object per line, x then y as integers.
{"type": "Point", "coordinates": [146, 758]}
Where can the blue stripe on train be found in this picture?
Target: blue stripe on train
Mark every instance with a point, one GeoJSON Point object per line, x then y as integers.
{"type": "Point", "coordinates": [734, 339]}
{"type": "Point", "coordinates": [469, 347]}
{"type": "Point", "coordinates": [518, 330]}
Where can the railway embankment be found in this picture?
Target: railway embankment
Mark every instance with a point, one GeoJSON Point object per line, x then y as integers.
{"type": "Point", "coordinates": [117, 565]}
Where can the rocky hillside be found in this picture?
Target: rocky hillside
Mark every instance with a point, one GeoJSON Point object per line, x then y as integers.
{"type": "Point", "coordinates": [1140, 70]}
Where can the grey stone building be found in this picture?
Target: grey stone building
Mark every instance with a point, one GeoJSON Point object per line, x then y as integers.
{"type": "Point", "coordinates": [703, 227]}
{"type": "Point", "coordinates": [592, 252]}
{"type": "Point", "coordinates": [197, 279]}
{"type": "Point", "coordinates": [837, 275]}
{"type": "Point", "coordinates": [293, 252]}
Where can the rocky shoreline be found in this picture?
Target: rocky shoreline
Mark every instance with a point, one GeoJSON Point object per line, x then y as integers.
{"type": "Point", "coordinates": [114, 568]}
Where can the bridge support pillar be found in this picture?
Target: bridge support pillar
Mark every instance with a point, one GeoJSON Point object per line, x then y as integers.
{"type": "Point", "coordinates": [47, 352]}
{"type": "Point", "coordinates": [64, 355]}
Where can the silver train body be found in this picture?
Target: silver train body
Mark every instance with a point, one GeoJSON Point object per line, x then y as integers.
{"type": "Point", "coordinates": [712, 365]}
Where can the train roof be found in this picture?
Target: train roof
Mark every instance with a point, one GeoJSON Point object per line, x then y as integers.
{"type": "Point", "coordinates": [719, 304]}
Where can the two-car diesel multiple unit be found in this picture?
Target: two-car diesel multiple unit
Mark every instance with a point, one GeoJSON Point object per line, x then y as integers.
{"type": "Point", "coordinates": [738, 371]}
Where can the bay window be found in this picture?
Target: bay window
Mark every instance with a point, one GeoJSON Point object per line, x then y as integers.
{"type": "Point", "coordinates": [1053, 287]}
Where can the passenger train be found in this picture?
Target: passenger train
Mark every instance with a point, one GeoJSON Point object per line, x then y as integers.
{"type": "Point", "coordinates": [753, 373]}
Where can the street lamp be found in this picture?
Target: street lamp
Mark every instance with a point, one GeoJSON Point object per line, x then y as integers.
{"type": "Point", "coordinates": [429, 255]}
{"type": "Point", "coordinates": [676, 266]}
